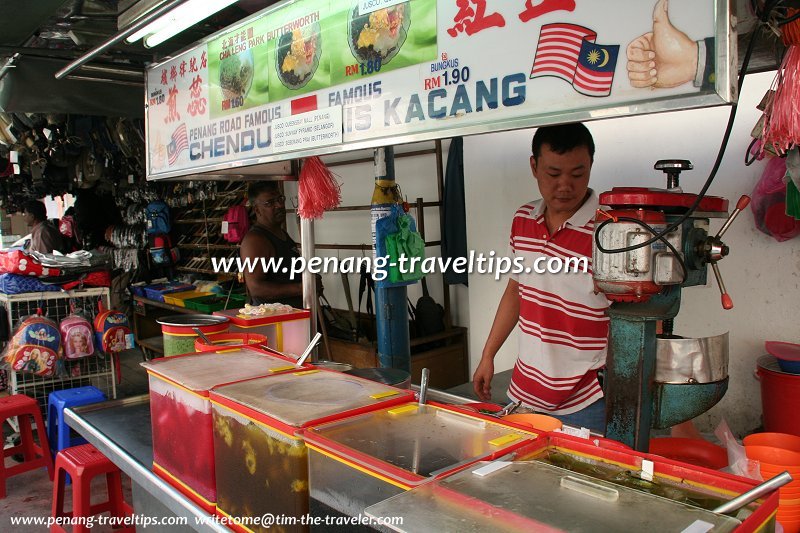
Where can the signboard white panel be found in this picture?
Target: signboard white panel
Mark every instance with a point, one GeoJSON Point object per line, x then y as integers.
{"type": "Point", "coordinates": [401, 71]}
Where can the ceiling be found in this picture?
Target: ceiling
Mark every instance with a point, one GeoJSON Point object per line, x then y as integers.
{"type": "Point", "coordinates": [48, 34]}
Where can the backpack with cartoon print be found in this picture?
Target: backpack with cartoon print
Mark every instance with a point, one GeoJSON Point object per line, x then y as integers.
{"type": "Point", "coordinates": [78, 336]}
{"type": "Point", "coordinates": [111, 329]}
{"type": "Point", "coordinates": [35, 347]}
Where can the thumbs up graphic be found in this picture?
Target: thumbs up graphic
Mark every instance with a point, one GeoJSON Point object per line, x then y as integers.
{"type": "Point", "coordinates": [664, 57]}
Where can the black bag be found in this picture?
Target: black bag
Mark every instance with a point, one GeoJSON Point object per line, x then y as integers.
{"type": "Point", "coordinates": [429, 315]}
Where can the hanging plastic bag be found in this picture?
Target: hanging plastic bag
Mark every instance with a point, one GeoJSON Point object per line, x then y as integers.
{"type": "Point", "coordinates": [384, 227]}
{"type": "Point", "coordinates": [769, 203]}
{"type": "Point", "coordinates": [405, 243]}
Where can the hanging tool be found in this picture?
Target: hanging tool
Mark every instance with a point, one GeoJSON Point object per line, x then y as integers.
{"type": "Point", "coordinates": [324, 328]}
{"type": "Point", "coordinates": [350, 310]}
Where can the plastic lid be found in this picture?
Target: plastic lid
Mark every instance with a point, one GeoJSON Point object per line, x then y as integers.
{"type": "Point", "coordinates": [299, 398]}
{"type": "Point", "coordinates": [201, 372]}
{"type": "Point", "coordinates": [406, 442]}
{"type": "Point", "coordinates": [534, 496]}
{"type": "Point", "coordinates": [783, 350]}
{"type": "Point", "coordinates": [253, 321]}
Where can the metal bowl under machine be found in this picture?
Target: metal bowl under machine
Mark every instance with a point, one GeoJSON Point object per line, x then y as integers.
{"type": "Point", "coordinates": [658, 380]}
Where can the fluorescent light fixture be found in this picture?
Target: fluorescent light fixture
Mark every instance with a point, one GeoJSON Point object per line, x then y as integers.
{"type": "Point", "coordinates": [179, 19]}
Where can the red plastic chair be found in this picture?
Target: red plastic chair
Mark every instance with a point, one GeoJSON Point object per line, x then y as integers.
{"type": "Point", "coordinates": [83, 463]}
{"type": "Point", "coordinates": [35, 455]}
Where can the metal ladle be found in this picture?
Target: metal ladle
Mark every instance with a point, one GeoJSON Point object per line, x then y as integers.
{"type": "Point", "coordinates": [309, 348]}
{"type": "Point", "coordinates": [754, 493]}
{"type": "Point", "coordinates": [203, 336]}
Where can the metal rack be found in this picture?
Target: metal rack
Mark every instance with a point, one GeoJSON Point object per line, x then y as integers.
{"type": "Point", "coordinates": [95, 370]}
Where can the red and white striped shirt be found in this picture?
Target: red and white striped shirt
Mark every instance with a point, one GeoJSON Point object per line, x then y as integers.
{"type": "Point", "coordinates": [563, 323]}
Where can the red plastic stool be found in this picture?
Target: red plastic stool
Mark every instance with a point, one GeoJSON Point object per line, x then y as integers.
{"type": "Point", "coordinates": [35, 455]}
{"type": "Point", "coordinates": [83, 463]}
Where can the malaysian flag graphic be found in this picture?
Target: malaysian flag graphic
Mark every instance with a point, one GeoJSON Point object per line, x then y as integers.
{"type": "Point", "coordinates": [568, 51]}
{"type": "Point", "coordinates": [179, 143]}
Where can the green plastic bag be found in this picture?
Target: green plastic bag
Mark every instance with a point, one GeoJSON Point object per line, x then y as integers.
{"type": "Point", "coordinates": [405, 243]}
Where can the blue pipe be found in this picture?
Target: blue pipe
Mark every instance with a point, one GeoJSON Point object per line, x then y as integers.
{"type": "Point", "coordinates": [391, 311]}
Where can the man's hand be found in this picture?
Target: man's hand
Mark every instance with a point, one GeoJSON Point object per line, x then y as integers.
{"type": "Point", "coordinates": [665, 57]}
{"type": "Point", "coordinates": [482, 379]}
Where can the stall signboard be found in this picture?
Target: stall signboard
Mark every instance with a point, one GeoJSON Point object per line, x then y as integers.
{"type": "Point", "coordinates": [338, 75]}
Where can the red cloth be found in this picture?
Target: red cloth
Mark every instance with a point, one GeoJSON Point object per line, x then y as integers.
{"type": "Point", "coordinates": [22, 263]}
{"type": "Point", "coordinates": [100, 278]}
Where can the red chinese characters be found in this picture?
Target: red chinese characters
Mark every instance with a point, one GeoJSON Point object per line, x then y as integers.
{"type": "Point", "coordinates": [471, 21]}
{"type": "Point", "coordinates": [164, 77]}
{"type": "Point", "coordinates": [544, 7]}
{"type": "Point", "coordinates": [193, 64]}
{"type": "Point", "coordinates": [198, 104]}
{"type": "Point", "coordinates": [203, 60]}
{"type": "Point", "coordinates": [173, 73]}
{"type": "Point", "coordinates": [172, 105]}
{"type": "Point", "coordinates": [183, 68]}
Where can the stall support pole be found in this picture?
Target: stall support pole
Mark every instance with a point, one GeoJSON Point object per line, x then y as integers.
{"type": "Point", "coordinates": [391, 319]}
{"type": "Point", "coordinates": [310, 300]}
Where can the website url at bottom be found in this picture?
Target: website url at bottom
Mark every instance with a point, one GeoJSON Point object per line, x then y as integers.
{"type": "Point", "coordinates": [136, 520]}
{"type": "Point", "coordinates": [267, 520]}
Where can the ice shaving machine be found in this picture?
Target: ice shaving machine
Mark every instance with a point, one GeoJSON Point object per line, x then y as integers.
{"type": "Point", "coordinates": [648, 245]}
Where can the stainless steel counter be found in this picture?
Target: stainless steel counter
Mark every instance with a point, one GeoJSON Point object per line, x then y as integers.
{"type": "Point", "coordinates": [121, 430]}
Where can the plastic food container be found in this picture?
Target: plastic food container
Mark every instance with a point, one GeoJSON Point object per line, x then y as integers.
{"type": "Point", "coordinates": [362, 460]}
{"type": "Point", "coordinates": [215, 302]}
{"type": "Point", "coordinates": [261, 460]}
{"type": "Point", "coordinates": [562, 483]}
{"type": "Point", "coordinates": [181, 413]}
{"type": "Point", "coordinates": [179, 298]}
{"type": "Point", "coordinates": [156, 292]}
{"type": "Point", "coordinates": [285, 332]}
{"type": "Point", "coordinates": [179, 335]}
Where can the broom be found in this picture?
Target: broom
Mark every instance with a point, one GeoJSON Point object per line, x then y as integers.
{"type": "Point", "coordinates": [318, 190]}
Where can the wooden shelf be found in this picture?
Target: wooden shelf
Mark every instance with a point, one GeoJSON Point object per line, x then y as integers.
{"type": "Point", "coordinates": [154, 344]}
{"type": "Point", "coordinates": [162, 305]}
{"type": "Point", "coordinates": [209, 247]}
{"type": "Point", "coordinates": [203, 271]}
{"type": "Point", "coordinates": [198, 220]}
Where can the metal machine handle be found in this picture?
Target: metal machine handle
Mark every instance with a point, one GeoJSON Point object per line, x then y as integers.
{"type": "Point", "coordinates": [727, 302]}
{"type": "Point", "coordinates": [743, 202]}
{"type": "Point", "coordinates": [716, 250]}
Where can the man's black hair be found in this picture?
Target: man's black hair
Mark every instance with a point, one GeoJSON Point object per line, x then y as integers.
{"type": "Point", "coordinates": [37, 209]}
{"type": "Point", "coordinates": [562, 138]}
{"type": "Point", "coordinates": [259, 187]}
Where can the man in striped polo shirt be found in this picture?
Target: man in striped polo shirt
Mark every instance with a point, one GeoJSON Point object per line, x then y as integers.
{"type": "Point", "coordinates": [563, 327]}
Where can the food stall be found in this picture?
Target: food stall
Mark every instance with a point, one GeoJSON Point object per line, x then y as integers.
{"type": "Point", "coordinates": [307, 78]}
